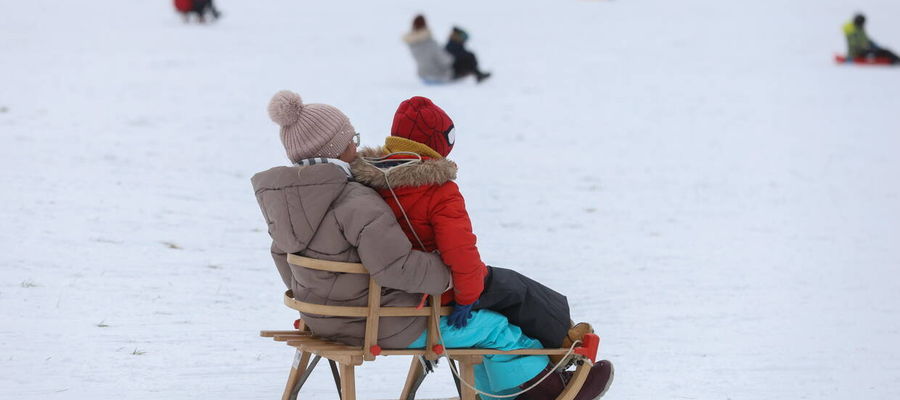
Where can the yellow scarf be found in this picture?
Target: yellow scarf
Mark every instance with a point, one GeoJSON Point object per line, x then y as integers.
{"type": "Point", "coordinates": [394, 144]}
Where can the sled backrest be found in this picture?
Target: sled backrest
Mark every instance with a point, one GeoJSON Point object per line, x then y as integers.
{"type": "Point", "coordinates": [372, 312]}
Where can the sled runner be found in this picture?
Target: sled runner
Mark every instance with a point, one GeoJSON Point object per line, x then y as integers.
{"type": "Point", "coordinates": [840, 59]}
{"type": "Point", "coordinates": [342, 358]}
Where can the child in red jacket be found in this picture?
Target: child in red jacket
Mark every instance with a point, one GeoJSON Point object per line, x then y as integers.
{"type": "Point", "coordinates": [413, 175]}
{"type": "Point", "coordinates": [416, 180]}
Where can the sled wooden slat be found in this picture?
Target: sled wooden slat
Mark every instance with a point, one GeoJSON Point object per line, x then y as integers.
{"type": "Point", "coordinates": [348, 382]}
{"type": "Point", "coordinates": [416, 371]}
{"type": "Point", "coordinates": [301, 361]}
{"type": "Point", "coordinates": [467, 373]}
{"type": "Point", "coordinates": [431, 340]}
{"type": "Point", "coordinates": [349, 311]}
{"type": "Point", "coordinates": [320, 309]}
{"type": "Point", "coordinates": [450, 352]}
{"type": "Point", "coordinates": [285, 338]}
{"type": "Point", "coordinates": [321, 343]}
{"type": "Point", "coordinates": [521, 352]}
{"type": "Point", "coordinates": [325, 348]}
{"type": "Point", "coordinates": [374, 305]}
{"type": "Point", "coordinates": [297, 339]}
{"type": "Point", "coordinates": [333, 351]}
{"type": "Point", "coordinates": [411, 311]}
{"type": "Point", "coordinates": [330, 266]}
{"type": "Point", "coordinates": [348, 357]}
{"type": "Point", "coordinates": [292, 340]}
{"type": "Point", "coordinates": [283, 333]}
{"type": "Point", "coordinates": [465, 352]}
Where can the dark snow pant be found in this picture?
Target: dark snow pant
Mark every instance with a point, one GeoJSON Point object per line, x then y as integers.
{"type": "Point", "coordinates": [202, 6]}
{"type": "Point", "coordinates": [880, 53]}
{"type": "Point", "coordinates": [886, 54]}
{"type": "Point", "coordinates": [541, 312]}
{"type": "Point", "coordinates": [464, 64]}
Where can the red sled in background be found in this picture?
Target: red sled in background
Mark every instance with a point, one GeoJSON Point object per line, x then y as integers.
{"type": "Point", "coordinates": [841, 59]}
{"type": "Point", "coordinates": [184, 5]}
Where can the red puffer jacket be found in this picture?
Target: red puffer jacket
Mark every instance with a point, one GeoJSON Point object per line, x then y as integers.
{"type": "Point", "coordinates": [437, 211]}
{"type": "Point", "coordinates": [184, 5]}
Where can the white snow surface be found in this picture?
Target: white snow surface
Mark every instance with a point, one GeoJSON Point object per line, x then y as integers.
{"type": "Point", "coordinates": [710, 190]}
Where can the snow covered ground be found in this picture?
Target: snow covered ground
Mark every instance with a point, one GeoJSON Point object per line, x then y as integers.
{"type": "Point", "coordinates": [709, 189]}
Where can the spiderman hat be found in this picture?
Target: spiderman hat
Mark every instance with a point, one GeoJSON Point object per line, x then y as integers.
{"type": "Point", "coordinates": [421, 127]}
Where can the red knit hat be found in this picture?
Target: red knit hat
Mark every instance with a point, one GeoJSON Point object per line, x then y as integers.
{"type": "Point", "coordinates": [419, 120]}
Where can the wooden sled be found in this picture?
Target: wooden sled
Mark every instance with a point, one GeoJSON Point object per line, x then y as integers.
{"type": "Point", "coordinates": [343, 358]}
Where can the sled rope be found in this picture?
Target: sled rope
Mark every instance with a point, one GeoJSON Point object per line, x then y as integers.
{"type": "Point", "coordinates": [506, 396]}
{"type": "Point", "coordinates": [387, 181]}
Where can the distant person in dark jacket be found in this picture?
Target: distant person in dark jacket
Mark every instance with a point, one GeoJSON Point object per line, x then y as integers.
{"type": "Point", "coordinates": [860, 46]}
{"type": "Point", "coordinates": [198, 8]}
{"type": "Point", "coordinates": [464, 61]}
{"type": "Point", "coordinates": [438, 65]}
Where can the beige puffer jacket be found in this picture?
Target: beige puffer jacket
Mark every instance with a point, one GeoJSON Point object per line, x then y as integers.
{"type": "Point", "coordinates": [317, 212]}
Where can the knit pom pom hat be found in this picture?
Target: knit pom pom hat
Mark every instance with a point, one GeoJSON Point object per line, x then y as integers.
{"type": "Point", "coordinates": [421, 121]}
{"type": "Point", "coordinates": [310, 130]}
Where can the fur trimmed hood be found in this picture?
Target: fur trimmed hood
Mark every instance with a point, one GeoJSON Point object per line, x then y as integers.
{"type": "Point", "coordinates": [417, 36]}
{"type": "Point", "coordinates": [435, 171]}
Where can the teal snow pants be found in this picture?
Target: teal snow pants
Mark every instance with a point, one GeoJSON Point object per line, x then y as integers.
{"type": "Point", "coordinates": [497, 374]}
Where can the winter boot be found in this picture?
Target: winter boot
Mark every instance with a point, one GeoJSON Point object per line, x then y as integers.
{"type": "Point", "coordinates": [599, 379]}
{"type": "Point", "coordinates": [481, 76]}
{"type": "Point", "coordinates": [576, 332]}
{"type": "Point", "coordinates": [549, 388]}
{"type": "Point", "coordinates": [597, 382]}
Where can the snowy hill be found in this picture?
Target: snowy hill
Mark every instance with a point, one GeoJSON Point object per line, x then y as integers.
{"type": "Point", "coordinates": [700, 179]}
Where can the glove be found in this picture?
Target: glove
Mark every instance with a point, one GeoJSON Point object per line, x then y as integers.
{"type": "Point", "coordinates": [459, 318]}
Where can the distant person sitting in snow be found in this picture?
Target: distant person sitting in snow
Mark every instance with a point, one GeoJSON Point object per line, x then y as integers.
{"type": "Point", "coordinates": [198, 8]}
{"type": "Point", "coordinates": [434, 64]}
{"type": "Point", "coordinates": [464, 61]}
{"type": "Point", "coordinates": [859, 46]}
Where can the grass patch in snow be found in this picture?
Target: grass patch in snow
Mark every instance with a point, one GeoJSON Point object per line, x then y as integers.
{"type": "Point", "coordinates": [171, 245]}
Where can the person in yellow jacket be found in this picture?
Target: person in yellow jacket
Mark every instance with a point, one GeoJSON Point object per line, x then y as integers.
{"type": "Point", "coordinates": [859, 45]}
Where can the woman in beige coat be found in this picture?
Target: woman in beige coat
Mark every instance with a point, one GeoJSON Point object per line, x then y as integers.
{"type": "Point", "coordinates": [318, 212]}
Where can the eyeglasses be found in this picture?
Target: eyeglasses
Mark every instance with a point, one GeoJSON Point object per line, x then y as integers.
{"type": "Point", "coordinates": [356, 138]}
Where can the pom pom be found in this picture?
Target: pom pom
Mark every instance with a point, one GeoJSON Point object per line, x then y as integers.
{"type": "Point", "coordinates": [285, 108]}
